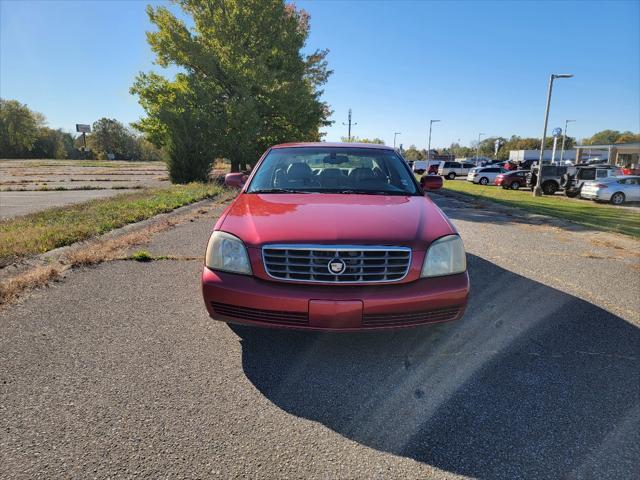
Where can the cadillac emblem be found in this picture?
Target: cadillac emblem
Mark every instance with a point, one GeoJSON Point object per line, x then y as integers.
{"type": "Point", "coordinates": [336, 266]}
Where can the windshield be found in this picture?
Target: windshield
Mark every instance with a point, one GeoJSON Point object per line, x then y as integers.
{"type": "Point", "coordinates": [333, 170]}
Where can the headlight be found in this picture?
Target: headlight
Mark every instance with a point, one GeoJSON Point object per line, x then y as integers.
{"type": "Point", "coordinates": [445, 257]}
{"type": "Point", "coordinates": [226, 252]}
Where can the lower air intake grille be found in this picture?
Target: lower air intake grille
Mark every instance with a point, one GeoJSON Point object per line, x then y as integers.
{"type": "Point", "coordinates": [270, 316]}
{"type": "Point", "coordinates": [439, 315]}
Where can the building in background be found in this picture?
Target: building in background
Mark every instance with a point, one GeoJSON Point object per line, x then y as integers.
{"type": "Point", "coordinates": [622, 154]}
{"type": "Point", "coordinates": [519, 156]}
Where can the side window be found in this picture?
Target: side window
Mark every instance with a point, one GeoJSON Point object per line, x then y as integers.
{"type": "Point", "coordinates": [601, 173]}
{"type": "Point", "coordinates": [455, 165]}
{"type": "Point", "coordinates": [632, 181]}
{"type": "Point", "coordinates": [624, 181]}
{"type": "Point", "coordinates": [588, 174]}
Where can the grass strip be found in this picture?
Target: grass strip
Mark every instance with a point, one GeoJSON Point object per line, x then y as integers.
{"type": "Point", "coordinates": [584, 212]}
{"type": "Point", "coordinates": [57, 227]}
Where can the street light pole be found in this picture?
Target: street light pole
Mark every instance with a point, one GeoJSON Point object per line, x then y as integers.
{"type": "Point", "coordinates": [395, 134]}
{"type": "Point", "coordinates": [537, 191]}
{"type": "Point", "coordinates": [431, 122]}
{"type": "Point", "coordinates": [349, 130]}
{"type": "Point", "coordinates": [478, 148]}
{"type": "Point", "coordinates": [564, 136]}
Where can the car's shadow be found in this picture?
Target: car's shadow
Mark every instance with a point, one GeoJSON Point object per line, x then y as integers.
{"type": "Point", "coordinates": [532, 383]}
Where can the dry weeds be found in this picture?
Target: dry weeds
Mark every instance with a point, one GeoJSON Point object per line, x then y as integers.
{"type": "Point", "coordinates": [39, 276]}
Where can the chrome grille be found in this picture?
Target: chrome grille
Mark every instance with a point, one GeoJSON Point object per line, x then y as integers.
{"type": "Point", "coordinates": [362, 264]}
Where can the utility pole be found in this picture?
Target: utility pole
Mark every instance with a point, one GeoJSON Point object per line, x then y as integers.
{"type": "Point", "coordinates": [537, 191]}
{"type": "Point", "coordinates": [556, 133]}
{"type": "Point", "coordinates": [431, 122]}
{"type": "Point", "coordinates": [349, 130]}
{"type": "Point", "coordinates": [395, 134]}
{"type": "Point", "coordinates": [478, 148]}
{"type": "Point", "coordinates": [564, 136]}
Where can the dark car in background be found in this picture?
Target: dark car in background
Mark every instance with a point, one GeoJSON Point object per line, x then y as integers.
{"type": "Point", "coordinates": [513, 180]}
{"type": "Point", "coordinates": [550, 180]}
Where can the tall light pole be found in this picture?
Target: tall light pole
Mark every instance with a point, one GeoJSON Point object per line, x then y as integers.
{"type": "Point", "coordinates": [431, 122]}
{"type": "Point", "coordinates": [349, 137]}
{"type": "Point", "coordinates": [395, 134]}
{"type": "Point", "coordinates": [564, 136]}
{"type": "Point", "coordinates": [478, 148]}
{"type": "Point", "coordinates": [537, 191]}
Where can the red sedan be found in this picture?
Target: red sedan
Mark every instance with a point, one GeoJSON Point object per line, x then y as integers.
{"type": "Point", "coordinates": [334, 237]}
{"type": "Point", "coordinates": [513, 180]}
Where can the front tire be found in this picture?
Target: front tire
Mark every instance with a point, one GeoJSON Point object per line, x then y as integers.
{"type": "Point", "coordinates": [617, 198]}
{"type": "Point", "coordinates": [451, 175]}
{"type": "Point", "coordinates": [572, 193]}
{"type": "Point", "coordinates": [484, 181]}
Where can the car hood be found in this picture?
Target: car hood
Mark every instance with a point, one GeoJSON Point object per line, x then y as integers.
{"type": "Point", "coordinates": [259, 219]}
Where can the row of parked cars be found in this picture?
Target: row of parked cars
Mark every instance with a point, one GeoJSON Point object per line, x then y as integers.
{"type": "Point", "coordinates": [599, 182]}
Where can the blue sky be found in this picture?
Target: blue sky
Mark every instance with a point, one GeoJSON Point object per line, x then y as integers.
{"type": "Point", "coordinates": [477, 66]}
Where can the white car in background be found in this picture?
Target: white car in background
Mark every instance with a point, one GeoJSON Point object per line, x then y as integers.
{"type": "Point", "coordinates": [484, 175]}
{"type": "Point", "coordinates": [451, 170]}
{"type": "Point", "coordinates": [422, 166]}
{"type": "Point", "coordinates": [616, 190]}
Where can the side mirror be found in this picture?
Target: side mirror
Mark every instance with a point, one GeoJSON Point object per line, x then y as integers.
{"type": "Point", "coordinates": [235, 180]}
{"type": "Point", "coordinates": [431, 182]}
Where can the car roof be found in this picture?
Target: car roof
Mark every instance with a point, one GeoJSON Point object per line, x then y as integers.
{"type": "Point", "coordinates": [333, 145]}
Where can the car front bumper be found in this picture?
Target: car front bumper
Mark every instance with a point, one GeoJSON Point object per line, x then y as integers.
{"type": "Point", "coordinates": [249, 300]}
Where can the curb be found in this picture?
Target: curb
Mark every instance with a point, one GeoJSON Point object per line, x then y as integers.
{"type": "Point", "coordinates": [57, 253]}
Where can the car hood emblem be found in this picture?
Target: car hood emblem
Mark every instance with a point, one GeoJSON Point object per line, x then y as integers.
{"type": "Point", "coordinates": [336, 266]}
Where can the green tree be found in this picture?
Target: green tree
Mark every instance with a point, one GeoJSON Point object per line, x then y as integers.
{"type": "Point", "coordinates": [19, 128]}
{"type": "Point", "coordinates": [376, 140]}
{"type": "Point", "coordinates": [109, 136]}
{"type": "Point", "coordinates": [49, 143]}
{"type": "Point", "coordinates": [607, 137]}
{"type": "Point", "coordinates": [245, 83]}
{"type": "Point", "coordinates": [148, 151]}
{"type": "Point", "coordinates": [460, 151]}
{"type": "Point", "coordinates": [412, 153]}
{"type": "Point", "coordinates": [628, 137]}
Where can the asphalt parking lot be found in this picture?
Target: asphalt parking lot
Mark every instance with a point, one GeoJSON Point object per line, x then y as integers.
{"type": "Point", "coordinates": [117, 372]}
{"type": "Point", "coordinates": [28, 186]}
{"type": "Point", "coordinates": [13, 204]}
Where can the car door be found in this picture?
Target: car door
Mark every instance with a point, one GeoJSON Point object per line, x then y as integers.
{"type": "Point", "coordinates": [492, 173]}
{"type": "Point", "coordinates": [632, 189]}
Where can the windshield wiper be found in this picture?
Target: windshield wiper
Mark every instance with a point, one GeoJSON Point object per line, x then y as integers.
{"type": "Point", "coordinates": [276, 190]}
